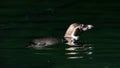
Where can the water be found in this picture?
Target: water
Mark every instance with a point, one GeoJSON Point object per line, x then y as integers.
{"type": "Point", "coordinates": [23, 20]}
{"type": "Point", "coordinates": [99, 48]}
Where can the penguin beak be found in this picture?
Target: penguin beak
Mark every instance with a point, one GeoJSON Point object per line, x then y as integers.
{"type": "Point", "coordinates": [84, 28]}
{"type": "Point", "coordinates": [90, 26]}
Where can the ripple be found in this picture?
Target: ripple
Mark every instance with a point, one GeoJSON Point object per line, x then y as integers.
{"type": "Point", "coordinates": [79, 51]}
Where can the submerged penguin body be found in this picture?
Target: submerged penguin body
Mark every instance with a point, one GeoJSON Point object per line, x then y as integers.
{"type": "Point", "coordinates": [43, 42]}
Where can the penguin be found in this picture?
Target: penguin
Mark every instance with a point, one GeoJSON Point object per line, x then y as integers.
{"type": "Point", "coordinates": [44, 42]}
{"type": "Point", "coordinates": [73, 32]}
{"type": "Point", "coordinates": [70, 38]}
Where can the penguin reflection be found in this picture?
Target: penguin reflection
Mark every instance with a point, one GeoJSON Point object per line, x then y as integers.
{"type": "Point", "coordinates": [79, 51]}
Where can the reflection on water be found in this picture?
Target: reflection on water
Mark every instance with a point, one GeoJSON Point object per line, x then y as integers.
{"type": "Point", "coordinates": [79, 51]}
{"type": "Point", "coordinates": [70, 52]}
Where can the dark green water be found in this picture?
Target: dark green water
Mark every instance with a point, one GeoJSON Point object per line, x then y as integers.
{"type": "Point", "coordinates": [23, 21]}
